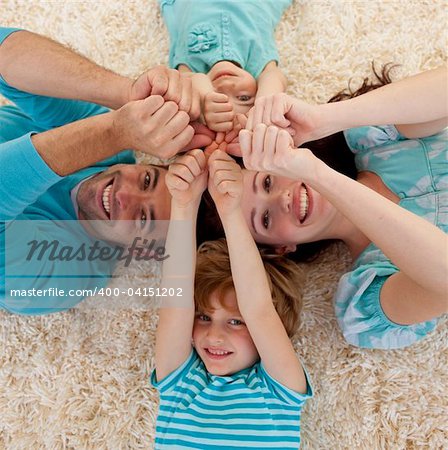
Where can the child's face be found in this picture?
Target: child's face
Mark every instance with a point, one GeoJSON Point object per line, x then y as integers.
{"type": "Point", "coordinates": [222, 339]}
{"type": "Point", "coordinates": [240, 86]}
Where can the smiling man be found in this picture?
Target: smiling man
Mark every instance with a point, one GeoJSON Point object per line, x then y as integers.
{"type": "Point", "coordinates": [68, 176]}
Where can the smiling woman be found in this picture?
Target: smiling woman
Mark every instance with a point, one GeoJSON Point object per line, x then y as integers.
{"type": "Point", "coordinates": [295, 198]}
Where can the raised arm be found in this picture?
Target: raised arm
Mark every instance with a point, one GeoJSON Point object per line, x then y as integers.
{"type": "Point", "coordinates": [39, 65]}
{"type": "Point", "coordinates": [418, 292]}
{"type": "Point", "coordinates": [417, 105]}
{"type": "Point", "coordinates": [271, 81]}
{"type": "Point", "coordinates": [249, 277]}
{"type": "Point", "coordinates": [186, 180]}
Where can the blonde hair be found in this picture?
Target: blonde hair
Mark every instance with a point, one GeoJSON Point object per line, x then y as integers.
{"type": "Point", "coordinates": [285, 280]}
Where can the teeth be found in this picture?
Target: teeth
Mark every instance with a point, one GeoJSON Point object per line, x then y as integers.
{"type": "Point", "coordinates": [217, 352]}
{"type": "Point", "coordinates": [303, 204]}
{"type": "Point", "coordinates": [106, 198]}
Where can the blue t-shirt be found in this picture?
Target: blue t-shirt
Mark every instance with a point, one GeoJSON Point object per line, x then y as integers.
{"type": "Point", "coordinates": [248, 409]}
{"type": "Point", "coordinates": [416, 170]}
{"type": "Point", "coordinates": [204, 32]}
{"type": "Point", "coordinates": [30, 190]}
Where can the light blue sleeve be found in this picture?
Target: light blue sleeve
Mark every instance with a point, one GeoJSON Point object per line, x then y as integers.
{"type": "Point", "coordinates": [364, 138]}
{"type": "Point", "coordinates": [283, 393]}
{"type": "Point", "coordinates": [359, 312]}
{"type": "Point", "coordinates": [25, 176]}
{"type": "Point", "coordinates": [47, 112]}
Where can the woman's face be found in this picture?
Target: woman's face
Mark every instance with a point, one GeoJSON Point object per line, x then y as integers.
{"type": "Point", "coordinates": [282, 212]}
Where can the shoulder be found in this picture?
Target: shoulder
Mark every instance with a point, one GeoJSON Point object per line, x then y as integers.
{"type": "Point", "coordinates": [358, 307]}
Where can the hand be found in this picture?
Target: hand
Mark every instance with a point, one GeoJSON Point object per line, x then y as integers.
{"type": "Point", "coordinates": [152, 126]}
{"type": "Point", "coordinates": [203, 137]}
{"type": "Point", "coordinates": [187, 178]}
{"type": "Point", "coordinates": [228, 141]}
{"type": "Point", "coordinates": [270, 149]}
{"type": "Point", "coordinates": [218, 112]}
{"type": "Point", "coordinates": [171, 85]}
{"type": "Point", "coordinates": [225, 182]}
{"type": "Point", "coordinates": [300, 119]}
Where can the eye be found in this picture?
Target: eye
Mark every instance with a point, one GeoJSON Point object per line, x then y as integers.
{"type": "Point", "coordinates": [147, 180]}
{"type": "Point", "coordinates": [267, 183]}
{"type": "Point", "coordinates": [143, 220]}
{"type": "Point", "coordinates": [244, 98]}
{"type": "Point", "coordinates": [236, 322]}
{"type": "Point", "coordinates": [266, 219]}
{"type": "Point", "coordinates": [203, 318]}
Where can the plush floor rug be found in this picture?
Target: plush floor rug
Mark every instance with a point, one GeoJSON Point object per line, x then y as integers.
{"type": "Point", "coordinates": [79, 380]}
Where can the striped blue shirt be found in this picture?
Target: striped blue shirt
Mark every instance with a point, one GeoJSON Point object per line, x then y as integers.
{"type": "Point", "coordinates": [247, 409]}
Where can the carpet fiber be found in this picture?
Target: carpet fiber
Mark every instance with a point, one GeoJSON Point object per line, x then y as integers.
{"type": "Point", "coordinates": [80, 379]}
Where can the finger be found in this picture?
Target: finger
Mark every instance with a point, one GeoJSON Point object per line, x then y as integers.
{"type": "Point", "coordinates": [217, 97]}
{"type": "Point", "coordinates": [242, 119]}
{"type": "Point", "coordinates": [258, 141]}
{"type": "Point", "coordinates": [250, 120]}
{"type": "Point", "coordinates": [270, 141]}
{"type": "Point", "coordinates": [234, 149]}
{"type": "Point", "coordinates": [173, 181]}
{"type": "Point", "coordinates": [210, 149]}
{"type": "Point", "coordinates": [284, 141]}
{"type": "Point", "coordinates": [153, 103]}
{"type": "Point", "coordinates": [177, 143]}
{"type": "Point", "coordinates": [183, 171]}
{"type": "Point", "coordinates": [267, 111]}
{"type": "Point", "coordinates": [279, 109]}
{"type": "Point", "coordinates": [198, 141]}
{"type": "Point", "coordinates": [174, 91]}
{"type": "Point", "coordinates": [258, 110]}
{"type": "Point", "coordinates": [163, 114]}
{"type": "Point", "coordinates": [221, 126]}
{"type": "Point", "coordinates": [195, 108]}
{"type": "Point", "coordinates": [245, 138]}
{"type": "Point", "coordinates": [219, 137]}
{"type": "Point", "coordinates": [215, 107]}
{"type": "Point", "coordinates": [186, 94]}
{"type": "Point", "coordinates": [228, 167]}
{"type": "Point", "coordinates": [159, 81]}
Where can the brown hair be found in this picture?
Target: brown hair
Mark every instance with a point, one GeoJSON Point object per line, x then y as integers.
{"type": "Point", "coordinates": [332, 150]}
{"type": "Point", "coordinates": [285, 279]}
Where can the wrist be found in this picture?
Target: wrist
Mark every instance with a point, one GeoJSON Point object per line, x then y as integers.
{"type": "Point", "coordinates": [184, 211]}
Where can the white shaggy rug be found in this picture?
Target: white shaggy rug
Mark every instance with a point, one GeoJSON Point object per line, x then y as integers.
{"type": "Point", "coordinates": [79, 380]}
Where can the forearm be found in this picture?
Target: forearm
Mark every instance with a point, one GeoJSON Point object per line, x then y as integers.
{"type": "Point", "coordinates": [38, 65]}
{"type": "Point", "coordinates": [80, 144]}
{"type": "Point", "coordinates": [418, 99]}
{"type": "Point", "coordinates": [249, 277]}
{"type": "Point", "coordinates": [414, 245]}
{"type": "Point", "coordinates": [179, 267]}
{"type": "Point", "coordinates": [271, 81]}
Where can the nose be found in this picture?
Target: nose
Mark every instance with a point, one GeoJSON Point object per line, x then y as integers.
{"type": "Point", "coordinates": [215, 334]}
{"type": "Point", "coordinates": [284, 200]}
{"type": "Point", "coordinates": [128, 195]}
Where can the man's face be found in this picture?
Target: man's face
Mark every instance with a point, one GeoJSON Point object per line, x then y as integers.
{"type": "Point", "coordinates": [124, 201]}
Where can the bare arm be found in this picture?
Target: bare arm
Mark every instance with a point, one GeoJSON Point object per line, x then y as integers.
{"type": "Point", "coordinates": [271, 80]}
{"type": "Point", "coordinates": [254, 296]}
{"type": "Point", "coordinates": [39, 65]}
{"type": "Point", "coordinates": [186, 180]}
{"type": "Point", "coordinates": [418, 248]}
{"type": "Point", "coordinates": [417, 105]}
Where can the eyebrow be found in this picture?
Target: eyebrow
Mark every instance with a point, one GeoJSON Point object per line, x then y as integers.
{"type": "Point", "coordinates": [252, 214]}
{"type": "Point", "coordinates": [156, 177]}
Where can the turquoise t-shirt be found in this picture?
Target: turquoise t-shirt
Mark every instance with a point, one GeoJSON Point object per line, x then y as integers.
{"type": "Point", "coordinates": [416, 170]}
{"type": "Point", "coordinates": [248, 409]}
{"type": "Point", "coordinates": [31, 191]}
{"type": "Point", "coordinates": [204, 32]}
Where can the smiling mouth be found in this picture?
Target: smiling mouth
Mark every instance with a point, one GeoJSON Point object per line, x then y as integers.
{"type": "Point", "coordinates": [217, 354]}
{"type": "Point", "coordinates": [301, 203]}
{"type": "Point", "coordinates": [106, 198]}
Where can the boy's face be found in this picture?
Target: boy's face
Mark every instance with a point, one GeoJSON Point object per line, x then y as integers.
{"type": "Point", "coordinates": [221, 337]}
{"type": "Point", "coordinates": [240, 86]}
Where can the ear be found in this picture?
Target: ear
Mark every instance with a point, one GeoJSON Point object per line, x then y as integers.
{"type": "Point", "coordinates": [283, 249]}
